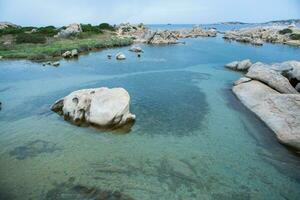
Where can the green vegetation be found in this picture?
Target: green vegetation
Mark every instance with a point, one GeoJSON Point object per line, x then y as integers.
{"type": "Point", "coordinates": [57, 47]}
{"type": "Point", "coordinates": [295, 36]}
{"type": "Point", "coordinates": [47, 31]}
{"type": "Point", "coordinates": [285, 31]}
{"type": "Point", "coordinates": [30, 38]}
{"type": "Point", "coordinates": [38, 43]}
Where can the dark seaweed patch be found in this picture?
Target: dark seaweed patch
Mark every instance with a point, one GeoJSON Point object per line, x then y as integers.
{"type": "Point", "coordinates": [70, 191]}
{"type": "Point", "coordinates": [33, 149]}
{"type": "Point", "coordinates": [167, 103]}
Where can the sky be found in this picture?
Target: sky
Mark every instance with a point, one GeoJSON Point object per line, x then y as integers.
{"type": "Point", "coordinates": [63, 12]}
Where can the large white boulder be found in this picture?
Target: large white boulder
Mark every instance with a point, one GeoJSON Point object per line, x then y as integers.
{"type": "Point", "coordinates": [272, 78]}
{"type": "Point", "coordinates": [100, 107]}
{"type": "Point", "coordinates": [281, 112]}
{"type": "Point", "coordinates": [72, 29]}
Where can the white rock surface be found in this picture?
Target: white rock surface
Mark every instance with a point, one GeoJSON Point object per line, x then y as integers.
{"type": "Point", "coordinates": [281, 112]}
{"type": "Point", "coordinates": [72, 29]}
{"type": "Point", "coordinates": [120, 56]}
{"type": "Point", "coordinates": [67, 54]}
{"type": "Point", "coordinates": [101, 107]}
{"type": "Point", "coordinates": [74, 53]}
{"type": "Point", "coordinates": [242, 80]}
{"type": "Point", "coordinates": [272, 78]}
{"type": "Point", "coordinates": [136, 49]}
{"type": "Point", "coordinates": [244, 65]}
{"type": "Point", "coordinates": [239, 65]}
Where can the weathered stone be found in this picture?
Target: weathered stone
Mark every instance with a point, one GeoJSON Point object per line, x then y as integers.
{"type": "Point", "coordinates": [274, 79]}
{"type": "Point", "coordinates": [242, 80]}
{"type": "Point", "coordinates": [136, 49]}
{"type": "Point", "coordinates": [281, 112]}
{"type": "Point", "coordinates": [71, 30]}
{"type": "Point", "coordinates": [101, 107]}
{"type": "Point", "coordinates": [55, 64]}
{"type": "Point", "coordinates": [67, 54]}
{"type": "Point", "coordinates": [120, 56]}
{"type": "Point", "coordinates": [244, 65]}
{"type": "Point", "coordinates": [239, 65]}
{"type": "Point", "coordinates": [163, 37]}
{"type": "Point", "coordinates": [74, 53]}
{"type": "Point", "coordinates": [232, 65]}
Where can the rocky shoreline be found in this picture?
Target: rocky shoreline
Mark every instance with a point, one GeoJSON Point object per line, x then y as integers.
{"type": "Point", "coordinates": [272, 93]}
{"type": "Point", "coordinates": [141, 34]}
{"type": "Point", "coordinates": [289, 35]}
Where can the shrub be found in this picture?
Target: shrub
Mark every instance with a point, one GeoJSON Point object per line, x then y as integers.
{"type": "Point", "coordinates": [10, 30]}
{"type": "Point", "coordinates": [106, 26]}
{"type": "Point", "coordinates": [285, 31]}
{"type": "Point", "coordinates": [295, 36]}
{"type": "Point", "coordinates": [90, 28]}
{"type": "Point", "coordinates": [30, 38]}
{"type": "Point", "coordinates": [48, 30]}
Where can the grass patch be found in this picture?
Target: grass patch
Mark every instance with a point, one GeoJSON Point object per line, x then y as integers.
{"type": "Point", "coordinates": [57, 47]}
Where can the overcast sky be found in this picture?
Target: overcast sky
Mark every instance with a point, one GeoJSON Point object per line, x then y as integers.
{"type": "Point", "coordinates": [62, 12]}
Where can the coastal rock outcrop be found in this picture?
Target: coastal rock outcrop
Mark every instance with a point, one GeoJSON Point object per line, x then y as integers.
{"type": "Point", "coordinates": [100, 107]}
{"type": "Point", "coordinates": [71, 30]}
{"type": "Point", "coordinates": [270, 77]}
{"type": "Point", "coordinates": [139, 33]}
{"type": "Point", "coordinates": [259, 35]}
{"type": "Point", "coordinates": [195, 32]}
{"type": "Point", "coordinates": [4, 25]}
{"type": "Point", "coordinates": [163, 37]}
{"type": "Point", "coordinates": [281, 112]}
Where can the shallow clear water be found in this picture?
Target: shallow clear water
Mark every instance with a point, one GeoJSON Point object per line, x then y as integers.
{"type": "Point", "coordinates": [192, 138]}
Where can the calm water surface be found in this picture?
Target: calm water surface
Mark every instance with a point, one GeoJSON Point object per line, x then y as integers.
{"type": "Point", "coordinates": [192, 138]}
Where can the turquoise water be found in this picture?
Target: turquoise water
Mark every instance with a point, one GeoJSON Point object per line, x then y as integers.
{"type": "Point", "coordinates": [192, 138]}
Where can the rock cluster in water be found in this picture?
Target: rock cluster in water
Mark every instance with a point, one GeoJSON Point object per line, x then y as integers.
{"type": "Point", "coordinates": [270, 91]}
{"type": "Point", "coordinates": [100, 107]}
{"type": "Point", "coordinates": [142, 34]}
{"type": "Point", "coordinates": [259, 35]}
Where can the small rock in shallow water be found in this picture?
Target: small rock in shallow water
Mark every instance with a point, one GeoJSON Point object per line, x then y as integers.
{"type": "Point", "coordinates": [120, 56]}
{"type": "Point", "coordinates": [55, 64]}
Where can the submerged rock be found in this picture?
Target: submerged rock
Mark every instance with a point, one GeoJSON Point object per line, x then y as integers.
{"type": "Point", "coordinates": [281, 112]}
{"type": "Point", "coordinates": [274, 79]}
{"type": "Point", "coordinates": [101, 107]}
